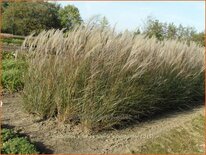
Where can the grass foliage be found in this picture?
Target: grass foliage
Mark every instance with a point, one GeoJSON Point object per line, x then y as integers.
{"type": "Point", "coordinates": [12, 72]}
{"type": "Point", "coordinates": [100, 78]}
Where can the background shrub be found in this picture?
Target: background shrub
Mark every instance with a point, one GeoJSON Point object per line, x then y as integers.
{"type": "Point", "coordinates": [101, 78]}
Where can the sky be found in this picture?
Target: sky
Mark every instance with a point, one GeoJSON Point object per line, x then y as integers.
{"type": "Point", "coordinates": [130, 15]}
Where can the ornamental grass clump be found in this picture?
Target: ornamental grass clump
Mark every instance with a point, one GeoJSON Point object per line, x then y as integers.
{"type": "Point", "coordinates": [101, 78]}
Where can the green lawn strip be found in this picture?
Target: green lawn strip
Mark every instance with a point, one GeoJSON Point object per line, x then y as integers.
{"type": "Point", "coordinates": [12, 72]}
{"type": "Point", "coordinates": [15, 41]}
{"type": "Point", "coordinates": [183, 140]}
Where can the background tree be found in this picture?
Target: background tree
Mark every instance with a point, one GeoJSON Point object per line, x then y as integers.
{"type": "Point", "coordinates": [185, 33]}
{"type": "Point", "coordinates": [98, 21]}
{"type": "Point", "coordinates": [70, 17]}
{"type": "Point", "coordinates": [26, 17]}
{"type": "Point", "coordinates": [161, 31]}
{"type": "Point", "coordinates": [154, 28]}
{"type": "Point", "coordinates": [171, 31]}
{"type": "Point", "coordinates": [104, 22]}
{"type": "Point", "coordinates": [137, 31]}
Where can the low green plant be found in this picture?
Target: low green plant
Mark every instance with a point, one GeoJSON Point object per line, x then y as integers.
{"type": "Point", "coordinates": [7, 134]}
{"type": "Point", "coordinates": [12, 74]}
{"type": "Point", "coordinates": [102, 78]}
{"type": "Point", "coordinates": [18, 146]}
{"type": "Point", "coordinates": [13, 144]}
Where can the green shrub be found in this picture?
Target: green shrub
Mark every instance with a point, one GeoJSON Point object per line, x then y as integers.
{"type": "Point", "coordinates": [12, 144]}
{"type": "Point", "coordinates": [7, 134]}
{"type": "Point", "coordinates": [18, 146]}
{"type": "Point", "coordinates": [103, 78]}
{"type": "Point", "coordinates": [12, 74]}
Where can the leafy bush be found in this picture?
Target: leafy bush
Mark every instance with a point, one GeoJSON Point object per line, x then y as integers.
{"type": "Point", "coordinates": [12, 144]}
{"type": "Point", "coordinates": [12, 74]}
{"type": "Point", "coordinates": [18, 146]}
{"type": "Point", "coordinates": [103, 78]}
{"type": "Point", "coordinates": [7, 134]}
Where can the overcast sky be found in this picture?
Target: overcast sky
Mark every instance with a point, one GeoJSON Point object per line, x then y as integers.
{"type": "Point", "coordinates": [130, 15]}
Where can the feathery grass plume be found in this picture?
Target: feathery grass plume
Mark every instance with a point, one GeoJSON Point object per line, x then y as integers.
{"type": "Point", "coordinates": [101, 78]}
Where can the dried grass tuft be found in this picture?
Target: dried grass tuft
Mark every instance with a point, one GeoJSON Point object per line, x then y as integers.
{"type": "Point", "coordinates": [102, 78]}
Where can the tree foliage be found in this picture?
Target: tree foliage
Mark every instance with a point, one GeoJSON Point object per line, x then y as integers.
{"type": "Point", "coordinates": [25, 17]}
{"type": "Point", "coordinates": [104, 22]}
{"type": "Point", "coordinates": [199, 38]}
{"type": "Point", "coordinates": [99, 21]}
{"type": "Point", "coordinates": [70, 17]}
{"type": "Point", "coordinates": [154, 28]}
{"type": "Point", "coordinates": [161, 30]}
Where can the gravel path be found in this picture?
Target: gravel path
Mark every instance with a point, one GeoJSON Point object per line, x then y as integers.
{"type": "Point", "coordinates": [52, 137]}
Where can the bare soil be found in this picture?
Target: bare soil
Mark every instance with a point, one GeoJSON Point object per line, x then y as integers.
{"type": "Point", "coordinates": [53, 137]}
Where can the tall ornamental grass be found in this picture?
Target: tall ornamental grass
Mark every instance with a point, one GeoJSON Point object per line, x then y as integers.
{"type": "Point", "coordinates": [101, 78]}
